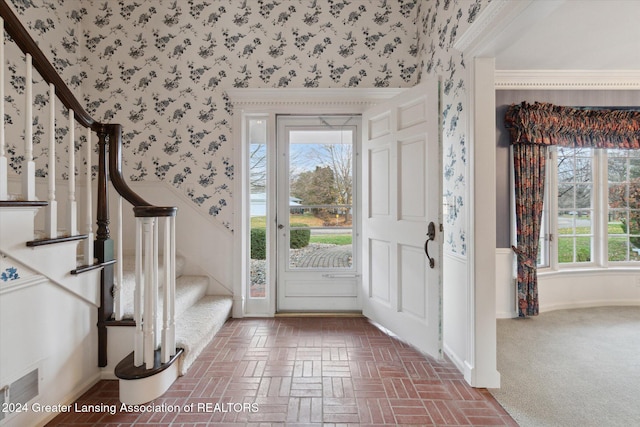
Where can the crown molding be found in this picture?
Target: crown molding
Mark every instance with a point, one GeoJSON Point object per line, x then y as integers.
{"type": "Point", "coordinates": [501, 22]}
{"type": "Point", "coordinates": [306, 96]}
{"type": "Point", "coordinates": [485, 25]}
{"type": "Point", "coordinates": [568, 79]}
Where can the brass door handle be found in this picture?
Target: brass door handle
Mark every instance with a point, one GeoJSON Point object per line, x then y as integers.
{"type": "Point", "coordinates": [431, 235]}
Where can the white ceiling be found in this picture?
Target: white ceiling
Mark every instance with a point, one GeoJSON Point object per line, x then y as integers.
{"type": "Point", "coordinates": [572, 35]}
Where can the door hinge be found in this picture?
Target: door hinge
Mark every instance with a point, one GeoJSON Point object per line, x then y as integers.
{"type": "Point", "coordinates": [441, 228]}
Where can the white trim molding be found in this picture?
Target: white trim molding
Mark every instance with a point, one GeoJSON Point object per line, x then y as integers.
{"type": "Point", "coordinates": [501, 22]}
{"type": "Point", "coordinates": [268, 103]}
{"type": "Point", "coordinates": [270, 97]}
{"type": "Point", "coordinates": [567, 79]}
{"type": "Point", "coordinates": [485, 26]}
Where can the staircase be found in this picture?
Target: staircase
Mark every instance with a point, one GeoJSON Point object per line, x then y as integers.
{"type": "Point", "coordinates": [198, 315]}
{"type": "Point", "coordinates": [168, 316]}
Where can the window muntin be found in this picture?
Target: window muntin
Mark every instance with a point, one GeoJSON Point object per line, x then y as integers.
{"type": "Point", "coordinates": [623, 222]}
{"type": "Point", "coordinates": [592, 208]}
{"type": "Point", "coordinates": [575, 204]}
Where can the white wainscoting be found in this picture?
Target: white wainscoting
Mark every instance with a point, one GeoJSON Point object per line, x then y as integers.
{"type": "Point", "coordinates": [455, 313]}
{"type": "Point", "coordinates": [576, 289]}
{"type": "Point", "coordinates": [567, 288]}
{"type": "Point", "coordinates": [505, 284]}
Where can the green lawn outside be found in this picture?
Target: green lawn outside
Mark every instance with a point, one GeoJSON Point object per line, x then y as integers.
{"type": "Point", "coordinates": [617, 247]}
{"type": "Point", "coordinates": [332, 239]}
{"type": "Point", "coordinates": [309, 219]}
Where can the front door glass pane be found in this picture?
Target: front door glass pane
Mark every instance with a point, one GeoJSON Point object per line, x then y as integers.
{"type": "Point", "coordinates": [258, 207]}
{"type": "Point", "coordinates": [321, 199]}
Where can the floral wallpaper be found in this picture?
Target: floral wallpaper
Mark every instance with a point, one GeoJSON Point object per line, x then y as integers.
{"type": "Point", "coordinates": [161, 68]}
{"type": "Point", "coordinates": [440, 23]}
{"type": "Point", "coordinates": [52, 24]}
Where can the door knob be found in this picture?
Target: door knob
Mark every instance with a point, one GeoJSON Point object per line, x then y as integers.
{"type": "Point", "coordinates": [431, 235]}
{"type": "Point", "coordinates": [280, 226]}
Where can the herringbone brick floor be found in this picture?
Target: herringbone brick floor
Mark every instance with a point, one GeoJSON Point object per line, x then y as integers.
{"type": "Point", "coordinates": [304, 372]}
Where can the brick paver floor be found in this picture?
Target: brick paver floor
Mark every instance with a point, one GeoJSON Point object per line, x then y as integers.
{"type": "Point", "coordinates": [305, 372]}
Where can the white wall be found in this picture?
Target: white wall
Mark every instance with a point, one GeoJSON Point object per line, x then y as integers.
{"type": "Point", "coordinates": [42, 326]}
{"type": "Point", "coordinates": [567, 289]}
{"type": "Point", "coordinates": [205, 243]}
{"type": "Point", "coordinates": [505, 284]}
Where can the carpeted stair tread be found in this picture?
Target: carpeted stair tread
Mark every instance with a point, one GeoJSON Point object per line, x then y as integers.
{"type": "Point", "coordinates": [196, 327]}
{"type": "Point", "coordinates": [198, 316]}
{"type": "Point", "coordinates": [189, 289]}
{"type": "Point", "coordinates": [129, 280]}
{"type": "Point", "coordinates": [129, 265]}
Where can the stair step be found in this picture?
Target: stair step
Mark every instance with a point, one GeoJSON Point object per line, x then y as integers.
{"type": "Point", "coordinates": [189, 289]}
{"type": "Point", "coordinates": [53, 241]}
{"type": "Point", "coordinates": [196, 327]}
{"type": "Point", "coordinates": [126, 369]}
{"type": "Point", "coordinates": [85, 268]}
{"type": "Point", "coordinates": [22, 203]}
{"type": "Point", "coordinates": [129, 267]}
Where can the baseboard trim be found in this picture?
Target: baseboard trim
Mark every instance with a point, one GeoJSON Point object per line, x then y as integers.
{"type": "Point", "coordinates": [506, 315]}
{"type": "Point", "coordinates": [75, 395]}
{"type": "Point", "coordinates": [589, 304]}
{"type": "Point", "coordinates": [454, 358]}
{"type": "Point", "coordinates": [319, 314]}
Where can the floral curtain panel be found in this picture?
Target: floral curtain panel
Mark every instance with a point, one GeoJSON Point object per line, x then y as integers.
{"type": "Point", "coordinates": [529, 165]}
{"type": "Point", "coordinates": [533, 127]}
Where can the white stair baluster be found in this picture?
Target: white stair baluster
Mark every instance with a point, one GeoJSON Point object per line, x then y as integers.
{"type": "Point", "coordinates": [138, 350]}
{"type": "Point", "coordinates": [155, 296]}
{"type": "Point", "coordinates": [4, 194]}
{"type": "Point", "coordinates": [88, 245]}
{"type": "Point", "coordinates": [171, 343]}
{"type": "Point", "coordinates": [168, 334]}
{"type": "Point", "coordinates": [51, 220]}
{"type": "Point", "coordinates": [117, 297]}
{"type": "Point", "coordinates": [150, 291]}
{"type": "Point", "coordinates": [72, 213]}
{"type": "Point", "coordinates": [29, 171]}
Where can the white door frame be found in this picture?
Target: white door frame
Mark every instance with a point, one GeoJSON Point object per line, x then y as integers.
{"type": "Point", "coordinates": [496, 27]}
{"type": "Point", "coordinates": [269, 103]}
{"type": "Point", "coordinates": [326, 289]}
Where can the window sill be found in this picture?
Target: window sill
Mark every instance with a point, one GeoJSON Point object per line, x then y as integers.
{"type": "Point", "coordinates": [588, 271]}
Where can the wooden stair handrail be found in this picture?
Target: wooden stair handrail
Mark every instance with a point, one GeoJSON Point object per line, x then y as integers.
{"type": "Point", "coordinates": [110, 141]}
{"type": "Point", "coordinates": [21, 37]}
{"type": "Point", "coordinates": [25, 42]}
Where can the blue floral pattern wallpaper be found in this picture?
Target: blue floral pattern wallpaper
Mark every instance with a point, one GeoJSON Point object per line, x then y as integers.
{"type": "Point", "coordinates": [440, 22]}
{"type": "Point", "coordinates": [161, 68]}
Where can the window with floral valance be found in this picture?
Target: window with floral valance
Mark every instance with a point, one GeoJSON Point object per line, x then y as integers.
{"type": "Point", "coordinates": [533, 128]}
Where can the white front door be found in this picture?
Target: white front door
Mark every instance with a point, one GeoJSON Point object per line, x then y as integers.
{"type": "Point", "coordinates": [402, 196]}
{"type": "Point", "coordinates": [317, 220]}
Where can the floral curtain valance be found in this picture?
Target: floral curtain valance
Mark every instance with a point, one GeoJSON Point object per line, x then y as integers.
{"type": "Point", "coordinates": [548, 124]}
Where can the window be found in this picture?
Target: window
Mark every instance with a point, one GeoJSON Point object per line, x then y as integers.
{"type": "Point", "coordinates": [575, 204]}
{"type": "Point", "coordinates": [623, 231]}
{"type": "Point", "coordinates": [592, 208]}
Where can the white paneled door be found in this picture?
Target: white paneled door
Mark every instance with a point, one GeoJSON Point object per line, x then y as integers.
{"type": "Point", "coordinates": [402, 217]}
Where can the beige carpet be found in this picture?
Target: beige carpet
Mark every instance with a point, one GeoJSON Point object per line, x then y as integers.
{"type": "Point", "coordinates": [567, 368]}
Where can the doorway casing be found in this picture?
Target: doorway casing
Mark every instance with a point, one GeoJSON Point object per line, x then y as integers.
{"type": "Point", "coordinates": [268, 104]}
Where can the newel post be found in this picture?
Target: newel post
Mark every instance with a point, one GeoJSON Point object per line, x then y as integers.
{"type": "Point", "coordinates": [103, 249]}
